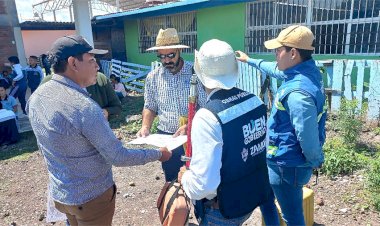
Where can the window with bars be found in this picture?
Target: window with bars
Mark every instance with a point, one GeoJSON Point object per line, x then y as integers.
{"type": "Point", "coordinates": [339, 26]}
{"type": "Point", "coordinates": [184, 23]}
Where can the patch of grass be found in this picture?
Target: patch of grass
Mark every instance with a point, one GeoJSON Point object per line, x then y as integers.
{"type": "Point", "coordinates": [131, 105]}
{"type": "Point", "coordinates": [376, 130]}
{"type": "Point", "coordinates": [20, 150]}
{"type": "Point", "coordinates": [373, 177]}
{"type": "Point", "coordinates": [349, 121]}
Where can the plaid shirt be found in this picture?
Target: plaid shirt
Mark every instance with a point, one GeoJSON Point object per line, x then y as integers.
{"type": "Point", "coordinates": [168, 95]}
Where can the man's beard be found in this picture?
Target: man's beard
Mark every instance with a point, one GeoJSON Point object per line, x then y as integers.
{"type": "Point", "coordinates": [171, 66]}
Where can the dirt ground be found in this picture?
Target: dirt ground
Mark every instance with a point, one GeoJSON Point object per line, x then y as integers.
{"type": "Point", "coordinates": [23, 184]}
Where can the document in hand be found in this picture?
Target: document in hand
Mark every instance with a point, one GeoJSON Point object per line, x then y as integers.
{"type": "Point", "coordinates": [161, 140]}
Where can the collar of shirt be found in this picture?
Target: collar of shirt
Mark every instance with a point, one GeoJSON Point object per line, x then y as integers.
{"type": "Point", "coordinates": [68, 82]}
{"type": "Point", "coordinates": [212, 92]}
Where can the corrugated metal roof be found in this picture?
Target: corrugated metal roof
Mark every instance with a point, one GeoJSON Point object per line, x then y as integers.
{"type": "Point", "coordinates": [168, 8]}
{"type": "Point", "coordinates": [47, 25]}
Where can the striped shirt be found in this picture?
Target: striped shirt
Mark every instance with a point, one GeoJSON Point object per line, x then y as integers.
{"type": "Point", "coordinates": [77, 143]}
{"type": "Point", "coordinates": [168, 95]}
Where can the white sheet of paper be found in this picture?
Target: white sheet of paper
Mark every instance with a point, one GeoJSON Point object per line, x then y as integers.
{"type": "Point", "coordinates": [161, 140]}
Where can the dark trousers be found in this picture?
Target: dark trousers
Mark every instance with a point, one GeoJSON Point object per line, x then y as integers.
{"type": "Point", "coordinates": [8, 132]}
{"type": "Point", "coordinates": [19, 91]}
{"type": "Point", "coordinates": [171, 167]}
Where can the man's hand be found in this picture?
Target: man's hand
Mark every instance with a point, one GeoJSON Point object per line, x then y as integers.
{"type": "Point", "coordinates": [182, 170]}
{"type": "Point", "coordinates": [242, 56]}
{"type": "Point", "coordinates": [181, 131]}
{"type": "Point", "coordinates": [166, 154]}
{"type": "Point", "coordinates": [143, 132]}
{"type": "Point", "coordinates": [105, 113]}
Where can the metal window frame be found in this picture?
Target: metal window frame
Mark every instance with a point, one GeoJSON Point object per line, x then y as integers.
{"type": "Point", "coordinates": [187, 36]}
{"type": "Point", "coordinates": [366, 24]}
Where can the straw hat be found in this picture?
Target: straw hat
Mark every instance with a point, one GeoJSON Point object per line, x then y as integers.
{"type": "Point", "coordinates": [295, 36]}
{"type": "Point", "coordinates": [167, 39]}
{"type": "Point", "coordinates": [215, 65]}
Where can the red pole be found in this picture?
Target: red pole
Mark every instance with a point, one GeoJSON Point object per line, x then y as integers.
{"type": "Point", "coordinates": [192, 106]}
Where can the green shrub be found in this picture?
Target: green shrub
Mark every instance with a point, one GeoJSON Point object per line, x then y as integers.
{"type": "Point", "coordinates": [376, 201]}
{"type": "Point", "coordinates": [376, 130]}
{"type": "Point", "coordinates": [340, 158]}
{"type": "Point", "coordinates": [374, 175]}
{"type": "Point", "coordinates": [349, 121]}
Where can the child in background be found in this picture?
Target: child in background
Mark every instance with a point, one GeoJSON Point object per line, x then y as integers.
{"type": "Point", "coordinates": [7, 102]}
{"type": "Point", "coordinates": [5, 80]}
{"type": "Point", "coordinates": [118, 86]}
{"type": "Point", "coordinates": [34, 73]}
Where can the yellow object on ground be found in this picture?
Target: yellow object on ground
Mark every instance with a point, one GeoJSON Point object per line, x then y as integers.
{"type": "Point", "coordinates": [308, 208]}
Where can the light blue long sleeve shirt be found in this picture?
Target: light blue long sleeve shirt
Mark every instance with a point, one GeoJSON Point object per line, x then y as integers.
{"type": "Point", "coordinates": [77, 143]}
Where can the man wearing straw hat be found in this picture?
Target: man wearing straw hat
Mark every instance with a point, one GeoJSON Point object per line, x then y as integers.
{"type": "Point", "coordinates": [228, 171]}
{"type": "Point", "coordinates": [167, 90]}
{"type": "Point", "coordinates": [297, 124]}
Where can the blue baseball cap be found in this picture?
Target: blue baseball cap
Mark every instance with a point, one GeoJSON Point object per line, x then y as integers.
{"type": "Point", "coordinates": [72, 45]}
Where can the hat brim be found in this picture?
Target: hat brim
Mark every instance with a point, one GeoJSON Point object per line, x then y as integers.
{"type": "Point", "coordinates": [272, 44]}
{"type": "Point", "coordinates": [168, 47]}
{"type": "Point", "coordinates": [98, 51]}
{"type": "Point", "coordinates": [226, 81]}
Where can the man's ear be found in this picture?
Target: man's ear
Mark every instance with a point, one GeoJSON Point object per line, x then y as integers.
{"type": "Point", "coordinates": [295, 53]}
{"type": "Point", "coordinates": [71, 63]}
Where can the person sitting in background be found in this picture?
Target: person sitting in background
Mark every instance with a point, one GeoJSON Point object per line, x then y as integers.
{"type": "Point", "coordinates": [34, 73]}
{"type": "Point", "coordinates": [5, 80]}
{"type": "Point", "coordinates": [7, 102]}
{"type": "Point", "coordinates": [8, 125]}
{"type": "Point", "coordinates": [102, 93]}
{"type": "Point", "coordinates": [118, 86]}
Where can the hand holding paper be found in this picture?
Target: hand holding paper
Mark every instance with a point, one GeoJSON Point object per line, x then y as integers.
{"type": "Point", "coordinates": [161, 140]}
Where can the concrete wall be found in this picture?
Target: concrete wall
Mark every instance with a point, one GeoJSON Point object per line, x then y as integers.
{"type": "Point", "coordinates": [33, 40]}
{"type": "Point", "coordinates": [210, 24]}
{"type": "Point", "coordinates": [7, 39]}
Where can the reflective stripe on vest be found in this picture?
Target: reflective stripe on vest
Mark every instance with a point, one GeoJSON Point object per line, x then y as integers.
{"type": "Point", "coordinates": [279, 105]}
{"type": "Point", "coordinates": [272, 150]}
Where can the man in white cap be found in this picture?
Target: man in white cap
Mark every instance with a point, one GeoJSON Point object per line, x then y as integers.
{"type": "Point", "coordinates": [75, 139]}
{"type": "Point", "coordinates": [228, 174]}
{"type": "Point", "coordinates": [167, 91]}
{"type": "Point", "coordinates": [297, 121]}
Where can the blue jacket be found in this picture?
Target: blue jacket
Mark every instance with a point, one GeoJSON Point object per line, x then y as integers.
{"type": "Point", "coordinates": [297, 121]}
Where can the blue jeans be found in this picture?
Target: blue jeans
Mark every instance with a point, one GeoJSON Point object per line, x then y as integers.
{"type": "Point", "coordinates": [172, 166]}
{"type": "Point", "coordinates": [287, 183]}
{"type": "Point", "coordinates": [214, 217]}
{"type": "Point", "coordinates": [268, 210]}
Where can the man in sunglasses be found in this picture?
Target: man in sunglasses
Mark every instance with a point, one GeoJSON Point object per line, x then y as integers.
{"type": "Point", "coordinates": [167, 90]}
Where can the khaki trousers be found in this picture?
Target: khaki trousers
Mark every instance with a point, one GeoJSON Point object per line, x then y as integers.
{"type": "Point", "coordinates": [98, 211]}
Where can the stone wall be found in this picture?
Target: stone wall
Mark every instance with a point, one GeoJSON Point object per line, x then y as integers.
{"type": "Point", "coordinates": [7, 40]}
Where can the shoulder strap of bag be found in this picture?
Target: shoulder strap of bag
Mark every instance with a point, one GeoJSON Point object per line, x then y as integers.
{"type": "Point", "coordinates": [167, 188]}
{"type": "Point", "coordinates": [170, 203]}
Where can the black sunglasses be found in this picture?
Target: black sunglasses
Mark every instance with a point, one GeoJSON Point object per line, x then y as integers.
{"type": "Point", "coordinates": [163, 56]}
